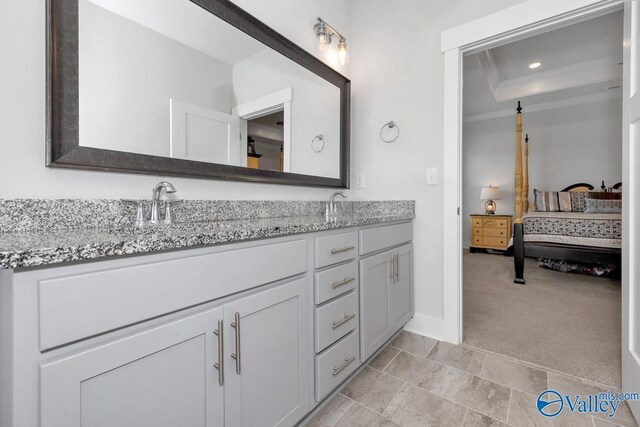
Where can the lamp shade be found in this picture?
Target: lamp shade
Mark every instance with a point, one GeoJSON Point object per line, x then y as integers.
{"type": "Point", "coordinates": [490, 193]}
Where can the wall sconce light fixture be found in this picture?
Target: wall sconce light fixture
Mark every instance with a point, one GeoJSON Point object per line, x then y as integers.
{"type": "Point", "coordinates": [324, 33]}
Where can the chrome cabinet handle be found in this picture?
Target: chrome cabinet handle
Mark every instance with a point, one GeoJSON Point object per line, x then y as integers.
{"type": "Point", "coordinates": [346, 363]}
{"type": "Point", "coordinates": [345, 319]}
{"type": "Point", "coordinates": [342, 282]}
{"type": "Point", "coordinates": [340, 250]}
{"type": "Point", "coordinates": [392, 261]}
{"type": "Point", "coordinates": [394, 268]}
{"type": "Point", "coordinates": [220, 365]}
{"type": "Point", "coordinates": [397, 267]}
{"type": "Point", "coordinates": [236, 356]}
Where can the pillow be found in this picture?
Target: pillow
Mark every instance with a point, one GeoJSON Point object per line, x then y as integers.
{"type": "Point", "coordinates": [577, 201]}
{"type": "Point", "coordinates": [604, 195]}
{"type": "Point", "coordinates": [564, 198]}
{"type": "Point", "coordinates": [547, 201]}
{"type": "Point", "coordinates": [603, 206]}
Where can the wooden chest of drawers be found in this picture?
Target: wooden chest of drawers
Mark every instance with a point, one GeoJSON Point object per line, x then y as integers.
{"type": "Point", "coordinates": [490, 232]}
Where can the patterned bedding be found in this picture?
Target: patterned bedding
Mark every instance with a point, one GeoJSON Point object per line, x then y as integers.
{"type": "Point", "coordinates": [574, 228]}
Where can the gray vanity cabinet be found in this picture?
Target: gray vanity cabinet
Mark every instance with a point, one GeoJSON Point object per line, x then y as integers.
{"type": "Point", "coordinates": [267, 358]}
{"type": "Point", "coordinates": [164, 376]}
{"type": "Point", "coordinates": [375, 327]}
{"type": "Point", "coordinates": [170, 375]}
{"type": "Point", "coordinates": [386, 285]}
{"type": "Point", "coordinates": [194, 337]}
{"type": "Point", "coordinates": [386, 297]}
{"type": "Point", "coordinates": [401, 289]}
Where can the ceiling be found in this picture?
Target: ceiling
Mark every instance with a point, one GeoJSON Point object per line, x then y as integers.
{"type": "Point", "coordinates": [580, 63]}
{"type": "Point", "coordinates": [268, 128]}
{"type": "Point", "coordinates": [188, 24]}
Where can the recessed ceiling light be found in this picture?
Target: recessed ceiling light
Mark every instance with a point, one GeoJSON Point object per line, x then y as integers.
{"type": "Point", "coordinates": [535, 64]}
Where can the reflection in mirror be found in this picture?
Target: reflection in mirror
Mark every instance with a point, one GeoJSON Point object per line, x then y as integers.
{"type": "Point", "coordinates": [170, 79]}
{"type": "Point", "coordinates": [265, 144]}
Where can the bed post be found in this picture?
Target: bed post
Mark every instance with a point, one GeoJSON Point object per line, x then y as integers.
{"type": "Point", "coordinates": [525, 181]}
{"type": "Point", "coordinates": [518, 238]}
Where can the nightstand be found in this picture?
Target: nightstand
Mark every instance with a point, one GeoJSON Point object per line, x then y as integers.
{"type": "Point", "coordinates": [490, 232]}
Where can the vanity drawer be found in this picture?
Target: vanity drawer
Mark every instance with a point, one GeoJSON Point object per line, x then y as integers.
{"type": "Point", "coordinates": [336, 248]}
{"type": "Point", "coordinates": [335, 319]}
{"type": "Point", "coordinates": [336, 364]}
{"type": "Point", "coordinates": [336, 281]}
{"type": "Point", "coordinates": [375, 239]}
{"type": "Point", "coordinates": [77, 302]}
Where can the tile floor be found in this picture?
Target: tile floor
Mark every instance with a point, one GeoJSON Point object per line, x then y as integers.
{"type": "Point", "coordinates": [418, 381]}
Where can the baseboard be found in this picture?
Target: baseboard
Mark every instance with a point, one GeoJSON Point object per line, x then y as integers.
{"type": "Point", "coordinates": [427, 326]}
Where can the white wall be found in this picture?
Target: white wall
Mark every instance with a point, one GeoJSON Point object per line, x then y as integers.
{"type": "Point", "coordinates": [127, 108]}
{"type": "Point", "coordinates": [397, 74]}
{"type": "Point", "coordinates": [22, 111]}
{"type": "Point", "coordinates": [582, 143]}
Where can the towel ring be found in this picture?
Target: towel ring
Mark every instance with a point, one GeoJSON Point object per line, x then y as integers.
{"type": "Point", "coordinates": [390, 125]}
{"type": "Point", "coordinates": [315, 145]}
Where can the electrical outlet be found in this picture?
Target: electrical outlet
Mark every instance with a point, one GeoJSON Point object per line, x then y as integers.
{"type": "Point", "coordinates": [360, 181]}
{"type": "Point", "coordinates": [432, 176]}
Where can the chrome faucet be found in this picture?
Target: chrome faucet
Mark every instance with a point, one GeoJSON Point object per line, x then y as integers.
{"type": "Point", "coordinates": [155, 202]}
{"type": "Point", "coordinates": [331, 204]}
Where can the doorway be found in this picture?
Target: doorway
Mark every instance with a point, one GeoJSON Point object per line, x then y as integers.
{"type": "Point", "coordinates": [568, 83]}
{"type": "Point", "coordinates": [523, 20]}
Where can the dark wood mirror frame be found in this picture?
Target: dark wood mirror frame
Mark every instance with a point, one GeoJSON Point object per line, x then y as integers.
{"type": "Point", "coordinates": [64, 150]}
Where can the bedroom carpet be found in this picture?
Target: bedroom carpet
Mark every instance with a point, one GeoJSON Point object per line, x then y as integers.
{"type": "Point", "coordinates": [566, 322]}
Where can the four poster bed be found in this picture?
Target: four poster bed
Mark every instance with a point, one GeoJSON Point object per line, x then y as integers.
{"type": "Point", "coordinates": [573, 235]}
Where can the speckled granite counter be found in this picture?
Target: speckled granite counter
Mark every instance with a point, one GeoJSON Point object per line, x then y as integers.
{"type": "Point", "coordinates": [46, 247]}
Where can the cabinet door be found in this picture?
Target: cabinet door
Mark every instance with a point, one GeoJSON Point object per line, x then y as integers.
{"type": "Point", "coordinates": [401, 288]}
{"type": "Point", "coordinates": [267, 357]}
{"type": "Point", "coordinates": [375, 327]}
{"type": "Point", "coordinates": [161, 377]}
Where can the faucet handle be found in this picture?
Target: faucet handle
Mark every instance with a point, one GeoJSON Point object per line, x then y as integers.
{"type": "Point", "coordinates": [167, 210]}
{"type": "Point", "coordinates": [140, 220]}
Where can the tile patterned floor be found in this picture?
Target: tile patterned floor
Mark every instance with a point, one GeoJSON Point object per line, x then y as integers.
{"type": "Point", "coordinates": [418, 381]}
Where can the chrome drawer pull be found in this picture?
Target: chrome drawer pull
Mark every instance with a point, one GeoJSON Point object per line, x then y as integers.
{"type": "Point", "coordinates": [346, 318]}
{"type": "Point", "coordinates": [346, 363]}
{"type": "Point", "coordinates": [220, 365]}
{"type": "Point", "coordinates": [342, 282]}
{"type": "Point", "coordinates": [345, 249]}
{"type": "Point", "coordinates": [236, 356]}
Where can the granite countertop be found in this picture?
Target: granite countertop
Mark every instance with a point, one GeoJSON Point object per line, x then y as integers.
{"type": "Point", "coordinates": [38, 248]}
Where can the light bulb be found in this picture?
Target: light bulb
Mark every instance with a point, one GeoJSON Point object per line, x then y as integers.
{"type": "Point", "coordinates": [343, 53]}
{"type": "Point", "coordinates": [323, 38]}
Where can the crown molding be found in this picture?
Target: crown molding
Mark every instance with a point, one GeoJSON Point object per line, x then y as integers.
{"type": "Point", "coordinates": [562, 103]}
{"type": "Point", "coordinates": [489, 68]}
{"type": "Point", "coordinates": [571, 76]}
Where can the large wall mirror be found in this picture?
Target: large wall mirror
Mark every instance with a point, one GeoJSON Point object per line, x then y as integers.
{"type": "Point", "coordinates": [195, 88]}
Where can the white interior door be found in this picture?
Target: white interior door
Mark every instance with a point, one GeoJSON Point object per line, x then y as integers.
{"type": "Point", "coordinates": [203, 134]}
{"type": "Point", "coordinates": [631, 184]}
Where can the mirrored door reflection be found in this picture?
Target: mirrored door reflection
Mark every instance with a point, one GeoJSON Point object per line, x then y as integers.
{"type": "Point", "coordinates": [265, 142]}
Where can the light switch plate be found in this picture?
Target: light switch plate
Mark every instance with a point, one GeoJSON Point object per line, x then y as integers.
{"type": "Point", "coordinates": [360, 181]}
{"type": "Point", "coordinates": [432, 176]}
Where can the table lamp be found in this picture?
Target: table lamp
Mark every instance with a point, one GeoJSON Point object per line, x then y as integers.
{"type": "Point", "coordinates": [490, 194]}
